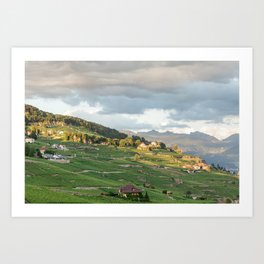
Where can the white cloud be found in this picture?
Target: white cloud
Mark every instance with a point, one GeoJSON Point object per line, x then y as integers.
{"type": "Point", "coordinates": [154, 117]}
{"type": "Point", "coordinates": [84, 108]}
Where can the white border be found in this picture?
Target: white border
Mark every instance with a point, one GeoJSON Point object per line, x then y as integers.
{"type": "Point", "coordinates": [243, 209]}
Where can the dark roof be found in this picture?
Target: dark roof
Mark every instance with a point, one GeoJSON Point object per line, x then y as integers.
{"type": "Point", "coordinates": [129, 189]}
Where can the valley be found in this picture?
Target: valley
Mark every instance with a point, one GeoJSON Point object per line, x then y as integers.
{"type": "Point", "coordinates": [67, 163]}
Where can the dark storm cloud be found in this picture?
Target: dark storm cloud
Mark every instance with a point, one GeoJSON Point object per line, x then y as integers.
{"type": "Point", "coordinates": [195, 90]}
{"type": "Point", "coordinates": [194, 102]}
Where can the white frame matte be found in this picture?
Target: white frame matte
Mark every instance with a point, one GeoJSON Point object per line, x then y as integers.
{"type": "Point", "coordinates": [21, 209]}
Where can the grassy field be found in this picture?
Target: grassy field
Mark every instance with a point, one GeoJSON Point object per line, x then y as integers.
{"type": "Point", "coordinates": [95, 174]}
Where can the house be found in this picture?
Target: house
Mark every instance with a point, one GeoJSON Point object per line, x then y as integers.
{"type": "Point", "coordinates": [47, 156]}
{"type": "Point", "coordinates": [203, 166]}
{"type": "Point", "coordinates": [59, 146]}
{"type": "Point", "coordinates": [154, 144]}
{"type": "Point", "coordinates": [178, 181]}
{"type": "Point", "coordinates": [167, 192]}
{"type": "Point", "coordinates": [62, 147]}
{"type": "Point", "coordinates": [129, 190]}
{"type": "Point", "coordinates": [29, 140]}
{"type": "Point", "coordinates": [142, 146]}
{"type": "Point", "coordinates": [55, 157]}
{"type": "Point", "coordinates": [178, 157]}
{"type": "Point", "coordinates": [58, 157]}
{"type": "Point", "coordinates": [196, 167]}
{"type": "Point", "coordinates": [42, 149]}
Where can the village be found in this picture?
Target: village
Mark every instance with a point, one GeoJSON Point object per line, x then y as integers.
{"type": "Point", "coordinates": [197, 165]}
{"type": "Point", "coordinates": [50, 155]}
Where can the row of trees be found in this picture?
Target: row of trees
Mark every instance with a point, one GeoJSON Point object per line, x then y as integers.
{"type": "Point", "coordinates": [133, 141]}
{"type": "Point", "coordinates": [85, 138]}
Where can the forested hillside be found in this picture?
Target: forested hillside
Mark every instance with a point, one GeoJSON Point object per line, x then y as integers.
{"type": "Point", "coordinates": [34, 115]}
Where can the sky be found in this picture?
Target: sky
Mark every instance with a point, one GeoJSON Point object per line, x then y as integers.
{"type": "Point", "coordinates": [176, 96]}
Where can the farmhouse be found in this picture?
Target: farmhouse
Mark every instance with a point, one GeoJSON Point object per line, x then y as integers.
{"type": "Point", "coordinates": [196, 167]}
{"type": "Point", "coordinates": [29, 140]}
{"type": "Point", "coordinates": [178, 157]}
{"type": "Point", "coordinates": [203, 166]}
{"type": "Point", "coordinates": [128, 190]}
{"type": "Point", "coordinates": [42, 149]}
{"type": "Point", "coordinates": [154, 144]}
{"type": "Point", "coordinates": [55, 157]}
{"type": "Point", "coordinates": [142, 146]}
{"type": "Point", "coordinates": [59, 146]}
{"type": "Point", "coordinates": [47, 156]}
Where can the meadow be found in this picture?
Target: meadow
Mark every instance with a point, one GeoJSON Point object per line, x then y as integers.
{"type": "Point", "coordinates": [96, 172]}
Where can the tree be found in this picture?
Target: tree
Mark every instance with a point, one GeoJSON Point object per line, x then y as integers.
{"type": "Point", "coordinates": [162, 145]}
{"type": "Point", "coordinates": [33, 135]}
{"type": "Point", "coordinates": [122, 143]}
{"type": "Point", "coordinates": [175, 147]}
{"type": "Point", "coordinates": [137, 157]}
{"type": "Point", "coordinates": [49, 151]}
{"type": "Point", "coordinates": [66, 136]}
{"type": "Point", "coordinates": [129, 141]}
{"type": "Point", "coordinates": [146, 198]}
{"type": "Point", "coordinates": [137, 142]}
{"type": "Point", "coordinates": [29, 151]}
{"type": "Point", "coordinates": [188, 194]}
{"type": "Point", "coordinates": [116, 142]}
{"type": "Point", "coordinates": [228, 200]}
{"type": "Point", "coordinates": [86, 139]}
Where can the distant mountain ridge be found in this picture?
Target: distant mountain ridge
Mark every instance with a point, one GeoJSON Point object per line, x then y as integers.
{"type": "Point", "coordinates": [223, 152]}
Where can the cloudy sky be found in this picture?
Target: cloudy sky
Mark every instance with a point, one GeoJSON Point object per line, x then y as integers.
{"type": "Point", "coordinates": [181, 97]}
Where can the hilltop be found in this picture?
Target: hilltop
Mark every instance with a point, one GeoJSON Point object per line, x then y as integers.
{"type": "Point", "coordinates": [45, 119]}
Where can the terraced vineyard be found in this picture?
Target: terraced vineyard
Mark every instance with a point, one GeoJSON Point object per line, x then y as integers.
{"type": "Point", "coordinates": [96, 172]}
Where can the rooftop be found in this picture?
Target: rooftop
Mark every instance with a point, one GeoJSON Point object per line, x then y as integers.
{"type": "Point", "coordinates": [130, 188]}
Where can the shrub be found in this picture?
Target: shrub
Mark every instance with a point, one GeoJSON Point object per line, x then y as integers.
{"type": "Point", "coordinates": [146, 198]}
{"type": "Point", "coordinates": [29, 151]}
{"type": "Point", "coordinates": [228, 200]}
{"type": "Point", "coordinates": [136, 157]}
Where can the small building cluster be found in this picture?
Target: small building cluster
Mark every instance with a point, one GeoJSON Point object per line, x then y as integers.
{"type": "Point", "coordinates": [59, 146]}
{"type": "Point", "coordinates": [196, 167]}
{"type": "Point", "coordinates": [55, 157]}
{"type": "Point", "coordinates": [152, 145]}
{"type": "Point", "coordinates": [29, 140]}
{"type": "Point", "coordinates": [52, 157]}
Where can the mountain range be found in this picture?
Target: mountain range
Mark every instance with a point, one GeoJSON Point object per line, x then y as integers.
{"type": "Point", "coordinates": [223, 152]}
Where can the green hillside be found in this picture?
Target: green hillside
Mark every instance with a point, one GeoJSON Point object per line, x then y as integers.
{"type": "Point", "coordinates": [93, 171]}
{"type": "Point", "coordinates": [35, 116]}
